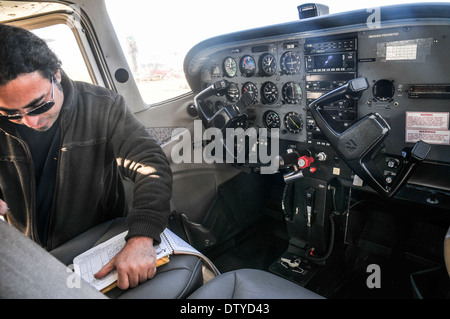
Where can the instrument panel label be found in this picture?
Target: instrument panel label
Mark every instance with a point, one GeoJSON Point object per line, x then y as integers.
{"type": "Point", "coordinates": [430, 127]}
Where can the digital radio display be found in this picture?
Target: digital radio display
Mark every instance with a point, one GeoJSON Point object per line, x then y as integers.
{"type": "Point", "coordinates": [328, 61]}
{"type": "Point", "coordinates": [331, 62]}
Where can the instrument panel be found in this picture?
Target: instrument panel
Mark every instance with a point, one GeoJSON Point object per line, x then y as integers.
{"type": "Point", "coordinates": [405, 66]}
{"type": "Point", "coordinates": [286, 67]}
{"type": "Point", "coordinates": [273, 74]}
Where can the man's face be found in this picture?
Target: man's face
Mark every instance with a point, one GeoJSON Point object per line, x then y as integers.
{"type": "Point", "coordinates": [27, 92]}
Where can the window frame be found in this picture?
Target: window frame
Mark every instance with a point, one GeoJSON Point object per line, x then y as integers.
{"type": "Point", "coordinates": [81, 38]}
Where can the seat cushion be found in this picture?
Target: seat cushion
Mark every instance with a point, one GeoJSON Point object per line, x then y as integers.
{"type": "Point", "coordinates": [29, 271]}
{"type": "Point", "coordinates": [176, 279]}
{"type": "Point", "coordinates": [252, 284]}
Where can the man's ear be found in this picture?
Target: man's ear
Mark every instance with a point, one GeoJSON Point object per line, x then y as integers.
{"type": "Point", "coordinates": [57, 76]}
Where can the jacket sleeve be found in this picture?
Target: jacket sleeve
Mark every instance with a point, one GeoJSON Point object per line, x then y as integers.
{"type": "Point", "coordinates": [142, 160]}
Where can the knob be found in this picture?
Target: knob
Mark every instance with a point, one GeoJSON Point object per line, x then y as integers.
{"type": "Point", "coordinates": [305, 161]}
{"type": "Point", "coordinates": [321, 157]}
{"type": "Point", "coordinates": [393, 163]}
{"type": "Point", "coordinates": [389, 178]}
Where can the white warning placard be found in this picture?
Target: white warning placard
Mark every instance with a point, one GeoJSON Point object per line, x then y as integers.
{"type": "Point", "coordinates": [428, 136]}
{"type": "Point", "coordinates": [427, 120]}
{"type": "Point", "coordinates": [401, 52]}
{"type": "Point", "coordinates": [430, 127]}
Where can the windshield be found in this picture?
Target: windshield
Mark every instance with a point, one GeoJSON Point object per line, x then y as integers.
{"type": "Point", "coordinates": [156, 35]}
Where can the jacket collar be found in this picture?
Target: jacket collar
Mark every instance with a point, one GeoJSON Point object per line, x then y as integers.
{"type": "Point", "coordinates": [67, 108]}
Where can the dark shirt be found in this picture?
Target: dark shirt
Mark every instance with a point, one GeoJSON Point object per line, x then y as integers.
{"type": "Point", "coordinates": [44, 148]}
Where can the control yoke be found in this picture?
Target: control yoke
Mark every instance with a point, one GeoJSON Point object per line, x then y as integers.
{"type": "Point", "coordinates": [358, 144]}
{"type": "Point", "coordinates": [229, 116]}
{"type": "Point", "coordinates": [226, 116]}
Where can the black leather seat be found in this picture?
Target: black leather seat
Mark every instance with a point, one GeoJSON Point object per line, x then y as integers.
{"type": "Point", "coordinates": [183, 272]}
{"type": "Point", "coordinates": [252, 284]}
{"type": "Point", "coordinates": [28, 271]}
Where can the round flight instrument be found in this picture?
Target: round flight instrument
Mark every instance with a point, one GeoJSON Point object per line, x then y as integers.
{"type": "Point", "coordinates": [292, 92]}
{"type": "Point", "coordinates": [250, 88]}
{"type": "Point", "coordinates": [290, 63]}
{"type": "Point", "coordinates": [293, 122]}
{"type": "Point", "coordinates": [233, 94]}
{"type": "Point", "coordinates": [271, 120]}
{"type": "Point", "coordinates": [230, 67]}
{"type": "Point", "coordinates": [247, 66]}
{"type": "Point", "coordinates": [269, 92]}
{"type": "Point", "coordinates": [383, 90]}
{"type": "Point", "coordinates": [267, 64]}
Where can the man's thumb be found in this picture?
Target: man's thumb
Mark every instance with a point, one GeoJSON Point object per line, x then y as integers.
{"type": "Point", "coordinates": [3, 207]}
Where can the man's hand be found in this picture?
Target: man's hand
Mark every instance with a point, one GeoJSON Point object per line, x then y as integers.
{"type": "Point", "coordinates": [135, 263]}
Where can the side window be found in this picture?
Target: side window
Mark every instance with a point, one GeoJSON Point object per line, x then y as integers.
{"type": "Point", "coordinates": [154, 53]}
{"type": "Point", "coordinates": [61, 40]}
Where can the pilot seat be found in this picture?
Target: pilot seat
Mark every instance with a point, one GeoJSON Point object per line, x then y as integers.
{"type": "Point", "coordinates": [28, 271]}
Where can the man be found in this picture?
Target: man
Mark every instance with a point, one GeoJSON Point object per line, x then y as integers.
{"type": "Point", "coordinates": [64, 148]}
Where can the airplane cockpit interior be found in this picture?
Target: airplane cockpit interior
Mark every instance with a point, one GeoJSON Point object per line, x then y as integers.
{"type": "Point", "coordinates": [316, 150]}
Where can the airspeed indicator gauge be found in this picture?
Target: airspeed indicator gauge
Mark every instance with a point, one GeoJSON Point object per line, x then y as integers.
{"type": "Point", "coordinates": [230, 67]}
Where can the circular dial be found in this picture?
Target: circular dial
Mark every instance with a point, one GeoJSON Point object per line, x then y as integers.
{"type": "Point", "coordinates": [269, 92]}
{"type": "Point", "coordinates": [251, 89]}
{"type": "Point", "coordinates": [291, 92]}
{"type": "Point", "coordinates": [247, 66]}
{"type": "Point", "coordinates": [383, 90]}
{"type": "Point", "coordinates": [272, 120]}
{"type": "Point", "coordinates": [293, 122]}
{"type": "Point", "coordinates": [290, 62]}
{"type": "Point", "coordinates": [233, 93]}
{"type": "Point", "coordinates": [267, 64]}
{"type": "Point", "coordinates": [230, 67]}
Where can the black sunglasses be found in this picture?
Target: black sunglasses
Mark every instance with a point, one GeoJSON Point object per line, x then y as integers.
{"type": "Point", "coordinates": [44, 107]}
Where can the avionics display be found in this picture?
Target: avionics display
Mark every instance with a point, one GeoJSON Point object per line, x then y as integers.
{"type": "Point", "coordinates": [429, 91]}
{"type": "Point", "coordinates": [333, 62]}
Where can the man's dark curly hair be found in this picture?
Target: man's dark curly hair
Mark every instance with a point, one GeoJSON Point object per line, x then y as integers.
{"type": "Point", "coordinates": [23, 52]}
